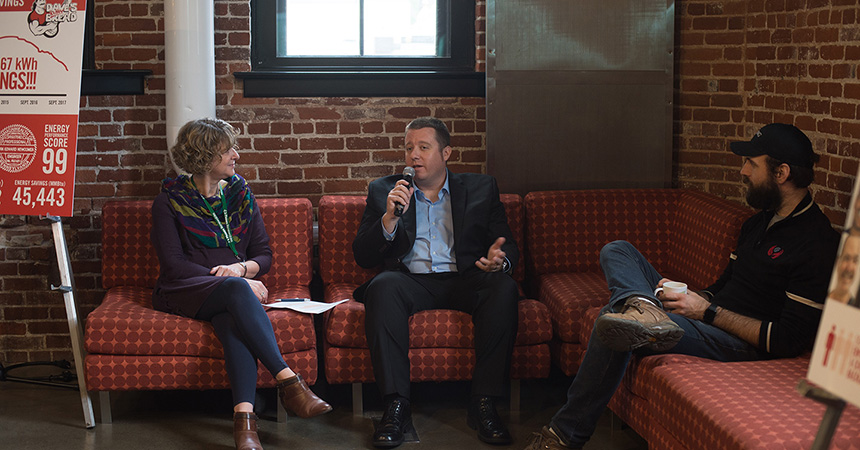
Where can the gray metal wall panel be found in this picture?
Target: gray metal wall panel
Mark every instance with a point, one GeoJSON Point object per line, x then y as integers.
{"type": "Point", "coordinates": [580, 35]}
{"type": "Point", "coordinates": [579, 93]}
{"type": "Point", "coordinates": [587, 143]}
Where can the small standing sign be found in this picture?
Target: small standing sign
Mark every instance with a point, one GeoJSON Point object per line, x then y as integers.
{"type": "Point", "coordinates": [40, 83]}
{"type": "Point", "coordinates": [41, 45]}
{"type": "Point", "coordinates": [835, 363]}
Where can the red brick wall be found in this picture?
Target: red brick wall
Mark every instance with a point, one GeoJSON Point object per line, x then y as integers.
{"type": "Point", "coordinates": [739, 65]}
{"type": "Point", "coordinates": [743, 64]}
{"type": "Point", "coordinates": [294, 147]}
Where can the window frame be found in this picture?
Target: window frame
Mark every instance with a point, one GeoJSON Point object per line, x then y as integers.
{"type": "Point", "coordinates": [106, 82]}
{"type": "Point", "coordinates": [451, 76]}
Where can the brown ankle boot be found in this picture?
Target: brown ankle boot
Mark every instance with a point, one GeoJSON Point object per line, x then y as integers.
{"type": "Point", "coordinates": [298, 399]}
{"type": "Point", "coordinates": [639, 324]}
{"type": "Point", "coordinates": [245, 431]}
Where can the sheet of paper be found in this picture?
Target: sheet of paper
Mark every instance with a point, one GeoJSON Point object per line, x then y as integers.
{"type": "Point", "coordinates": [306, 306]}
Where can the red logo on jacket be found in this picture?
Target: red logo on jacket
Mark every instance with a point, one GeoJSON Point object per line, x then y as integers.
{"type": "Point", "coordinates": [775, 252]}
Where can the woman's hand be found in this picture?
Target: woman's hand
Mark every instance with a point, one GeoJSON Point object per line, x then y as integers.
{"type": "Point", "coordinates": [233, 270]}
{"type": "Point", "coordinates": [260, 291]}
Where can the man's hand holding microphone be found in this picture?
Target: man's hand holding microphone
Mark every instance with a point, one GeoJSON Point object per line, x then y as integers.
{"type": "Point", "coordinates": [398, 200]}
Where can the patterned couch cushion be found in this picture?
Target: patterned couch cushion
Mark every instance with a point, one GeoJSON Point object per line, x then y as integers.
{"type": "Point", "coordinates": [126, 324]}
{"type": "Point", "coordinates": [128, 258]}
{"type": "Point", "coordinates": [749, 405]}
{"type": "Point", "coordinates": [568, 296]}
{"type": "Point", "coordinates": [289, 223]}
{"type": "Point", "coordinates": [339, 216]}
{"type": "Point", "coordinates": [630, 402]}
{"type": "Point", "coordinates": [565, 230]}
{"type": "Point", "coordinates": [670, 398]}
{"type": "Point", "coordinates": [704, 232]}
{"type": "Point", "coordinates": [353, 365]}
{"type": "Point", "coordinates": [680, 231]}
{"type": "Point", "coordinates": [156, 372]}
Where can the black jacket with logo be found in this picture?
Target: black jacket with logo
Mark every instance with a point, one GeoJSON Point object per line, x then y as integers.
{"type": "Point", "coordinates": [780, 276]}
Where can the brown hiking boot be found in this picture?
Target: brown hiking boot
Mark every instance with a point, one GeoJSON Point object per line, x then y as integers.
{"type": "Point", "coordinates": [639, 324]}
{"type": "Point", "coordinates": [546, 440]}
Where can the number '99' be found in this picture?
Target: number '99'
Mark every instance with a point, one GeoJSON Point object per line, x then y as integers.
{"type": "Point", "coordinates": [55, 161]}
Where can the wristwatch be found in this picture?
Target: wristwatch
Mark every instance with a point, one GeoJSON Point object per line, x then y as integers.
{"type": "Point", "coordinates": [506, 265]}
{"type": "Point", "coordinates": [710, 314]}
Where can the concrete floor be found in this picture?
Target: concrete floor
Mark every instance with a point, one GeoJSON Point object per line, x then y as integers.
{"type": "Point", "coordinates": [47, 417]}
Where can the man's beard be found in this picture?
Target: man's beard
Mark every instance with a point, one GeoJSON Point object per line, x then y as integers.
{"type": "Point", "coordinates": [766, 197]}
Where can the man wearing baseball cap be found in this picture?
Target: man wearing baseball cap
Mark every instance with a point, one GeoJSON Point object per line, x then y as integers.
{"type": "Point", "coordinates": [766, 304]}
{"type": "Point", "coordinates": [785, 143]}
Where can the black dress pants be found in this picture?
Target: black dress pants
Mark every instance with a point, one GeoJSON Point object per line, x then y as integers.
{"type": "Point", "coordinates": [491, 298]}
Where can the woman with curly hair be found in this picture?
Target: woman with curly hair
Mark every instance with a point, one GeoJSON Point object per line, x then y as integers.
{"type": "Point", "coordinates": [211, 244]}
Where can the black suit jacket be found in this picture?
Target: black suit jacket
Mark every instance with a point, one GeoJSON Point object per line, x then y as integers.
{"type": "Point", "coordinates": [479, 219]}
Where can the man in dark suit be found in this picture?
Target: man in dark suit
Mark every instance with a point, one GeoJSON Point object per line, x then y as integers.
{"type": "Point", "coordinates": [450, 249]}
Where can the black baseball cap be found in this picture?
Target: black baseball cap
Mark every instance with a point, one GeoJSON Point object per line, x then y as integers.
{"type": "Point", "coordinates": [780, 141]}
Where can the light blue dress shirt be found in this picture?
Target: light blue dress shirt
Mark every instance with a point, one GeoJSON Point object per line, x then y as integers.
{"type": "Point", "coordinates": [433, 251]}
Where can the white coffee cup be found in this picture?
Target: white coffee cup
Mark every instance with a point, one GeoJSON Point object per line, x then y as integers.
{"type": "Point", "coordinates": [671, 286]}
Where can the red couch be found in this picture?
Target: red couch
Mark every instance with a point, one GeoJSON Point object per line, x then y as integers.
{"type": "Point", "coordinates": [441, 347]}
{"type": "Point", "coordinates": [672, 401]}
{"type": "Point", "coordinates": [685, 234]}
{"type": "Point", "coordinates": [679, 402]}
{"type": "Point", "coordinates": [134, 347]}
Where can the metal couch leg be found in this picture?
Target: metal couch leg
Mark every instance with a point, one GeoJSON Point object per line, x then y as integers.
{"type": "Point", "coordinates": [357, 400]}
{"type": "Point", "coordinates": [282, 413]}
{"type": "Point", "coordinates": [515, 399]}
{"type": "Point", "coordinates": [104, 407]}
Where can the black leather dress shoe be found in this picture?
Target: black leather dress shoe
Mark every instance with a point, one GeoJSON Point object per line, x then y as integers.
{"type": "Point", "coordinates": [482, 416]}
{"type": "Point", "coordinates": [396, 418]}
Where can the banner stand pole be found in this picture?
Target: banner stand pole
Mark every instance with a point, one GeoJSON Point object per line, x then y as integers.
{"type": "Point", "coordinates": [834, 404]}
{"type": "Point", "coordinates": [75, 332]}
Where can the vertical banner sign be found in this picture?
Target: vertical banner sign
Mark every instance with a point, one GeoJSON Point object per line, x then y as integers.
{"type": "Point", "coordinates": [41, 45]}
{"type": "Point", "coordinates": [835, 363]}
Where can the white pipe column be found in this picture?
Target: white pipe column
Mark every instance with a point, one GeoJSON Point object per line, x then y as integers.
{"type": "Point", "coordinates": [189, 41]}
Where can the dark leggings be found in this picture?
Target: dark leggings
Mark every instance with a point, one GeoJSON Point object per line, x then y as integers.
{"type": "Point", "coordinates": [246, 334]}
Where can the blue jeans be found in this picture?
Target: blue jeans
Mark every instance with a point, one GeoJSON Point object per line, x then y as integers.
{"type": "Point", "coordinates": [246, 334]}
{"type": "Point", "coordinates": [629, 273]}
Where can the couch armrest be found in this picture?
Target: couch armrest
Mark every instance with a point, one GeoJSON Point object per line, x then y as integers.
{"type": "Point", "coordinates": [703, 234]}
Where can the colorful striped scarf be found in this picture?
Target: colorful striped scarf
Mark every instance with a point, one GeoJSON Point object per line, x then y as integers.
{"type": "Point", "coordinates": [195, 216]}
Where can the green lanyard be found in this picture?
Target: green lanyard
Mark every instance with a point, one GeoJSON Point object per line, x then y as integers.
{"type": "Point", "coordinates": [224, 227]}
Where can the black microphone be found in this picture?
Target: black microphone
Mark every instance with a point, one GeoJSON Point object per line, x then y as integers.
{"type": "Point", "coordinates": [408, 173]}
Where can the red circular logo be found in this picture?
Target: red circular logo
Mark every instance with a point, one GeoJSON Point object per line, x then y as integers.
{"type": "Point", "coordinates": [775, 252]}
{"type": "Point", "coordinates": [17, 148]}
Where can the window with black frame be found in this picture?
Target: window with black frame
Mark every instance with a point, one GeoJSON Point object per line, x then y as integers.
{"type": "Point", "coordinates": [106, 82]}
{"type": "Point", "coordinates": [363, 47]}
